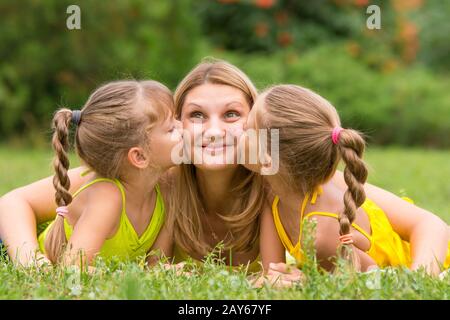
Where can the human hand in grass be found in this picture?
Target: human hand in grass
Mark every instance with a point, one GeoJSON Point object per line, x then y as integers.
{"type": "Point", "coordinates": [280, 275]}
{"type": "Point", "coordinates": [178, 268]}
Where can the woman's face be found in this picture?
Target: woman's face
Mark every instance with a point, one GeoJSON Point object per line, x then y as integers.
{"type": "Point", "coordinates": [213, 116]}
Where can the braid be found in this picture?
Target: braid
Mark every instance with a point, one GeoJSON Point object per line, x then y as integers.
{"type": "Point", "coordinates": [351, 147]}
{"type": "Point", "coordinates": [60, 143]}
{"type": "Point", "coordinates": [56, 237]}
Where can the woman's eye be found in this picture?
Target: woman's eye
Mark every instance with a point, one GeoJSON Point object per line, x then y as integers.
{"type": "Point", "coordinates": [232, 114]}
{"type": "Point", "coordinates": [197, 115]}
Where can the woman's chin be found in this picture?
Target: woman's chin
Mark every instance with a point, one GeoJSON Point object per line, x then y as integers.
{"type": "Point", "coordinates": [216, 161]}
{"type": "Point", "coordinates": [252, 167]}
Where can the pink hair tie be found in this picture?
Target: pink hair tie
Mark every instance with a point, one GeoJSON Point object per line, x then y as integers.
{"type": "Point", "coordinates": [62, 211]}
{"type": "Point", "coordinates": [346, 238]}
{"type": "Point", "coordinates": [335, 134]}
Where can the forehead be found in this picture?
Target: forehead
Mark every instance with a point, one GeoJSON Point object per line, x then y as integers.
{"type": "Point", "coordinates": [215, 95]}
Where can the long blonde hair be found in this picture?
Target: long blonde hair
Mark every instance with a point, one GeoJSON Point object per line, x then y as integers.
{"type": "Point", "coordinates": [308, 155]}
{"type": "Point", "coordinates": [248, 198]}
{"type": "Point", "coordinates": [114, 119]}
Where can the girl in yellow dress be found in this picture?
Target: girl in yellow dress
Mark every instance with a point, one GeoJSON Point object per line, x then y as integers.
{"type": "Point", "coordinates": [124, 135]}
{"type": "Point", "coordinates": [380, 228]}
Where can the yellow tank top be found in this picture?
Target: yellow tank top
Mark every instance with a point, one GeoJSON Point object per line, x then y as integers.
{"type": "Point", "coordinates": [181, 255]}
{"type": "Point", "coordinates": [387, 248]}
{"type": "Point", "coordinates": [125, 244]}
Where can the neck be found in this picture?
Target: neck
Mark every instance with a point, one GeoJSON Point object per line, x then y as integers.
{"type": "Point", "coordinates": [290, 200]}
{"type": "Point", "coordinates": [139, 186]}
{"type": "Point", "coordinates": [215, 188]}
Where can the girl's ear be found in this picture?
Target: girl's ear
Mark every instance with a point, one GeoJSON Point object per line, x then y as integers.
{"type": "Point", "coordinates": [138, 158]}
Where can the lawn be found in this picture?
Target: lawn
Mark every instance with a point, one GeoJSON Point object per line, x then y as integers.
{"type": "Point", "coordinates": [420, 174]}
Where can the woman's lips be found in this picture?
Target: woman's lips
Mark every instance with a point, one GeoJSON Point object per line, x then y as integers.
{"type": "Point", "coordinates": [215, 148]}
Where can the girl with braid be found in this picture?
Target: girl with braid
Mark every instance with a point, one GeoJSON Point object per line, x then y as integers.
{"type": "Point", "coordinates": [365, 224]}
{"type": "Point", "coordinates": [124, 134]}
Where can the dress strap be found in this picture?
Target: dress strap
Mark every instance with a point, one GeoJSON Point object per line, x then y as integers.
{"type": "Point", "coordinates": [302, 211]}
{"type": "Point", "coordinates": [334, 215]}
{"type": "Point", "coordinates": [279, 226]}
{"type": "Point", "coordinates": [115, 181]}
{"type": "Point", "coordinates": [317, 192]}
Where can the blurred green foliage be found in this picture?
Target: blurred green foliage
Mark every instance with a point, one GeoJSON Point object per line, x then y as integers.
{"type": "Point", "coordinates": [390, 83]}
{"type": "Point", "coordinates": [44, 65]}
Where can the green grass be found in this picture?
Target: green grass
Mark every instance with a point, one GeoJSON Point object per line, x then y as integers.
{"type": "Point", "coordinates": [420, 174]}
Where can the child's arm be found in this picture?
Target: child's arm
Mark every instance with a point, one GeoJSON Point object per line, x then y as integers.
{"type": "Point", "coordinates": [163, 246]}
{"type": "Point", "coordinates": [427, 233]}
{"type": "Point", "coordinates": [98, 222]}
{"type": "Point", "coordinates": [270, 246]}
{"type": "Point", "coordinates": [327, 242]}
{"type": "Point", "coordinates": [23, 208]}
{"type": "Point", "coordinates": [272, 252]}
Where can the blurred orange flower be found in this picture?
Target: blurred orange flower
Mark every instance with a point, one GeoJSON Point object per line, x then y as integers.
{"type": "Point", "coordinates": [353, 48]}
{"type": "Point", "coordinates": [406, 5]}
{"type": "Point", "coordinates": [261, 29]}
{"type": "Point", "coordinates": [361, 3]}
{"type": "Point", "coordinates": [281, 17]}
{"type": "Point", "coordinates": [265, 4]}
{"type": "Point", "coordinates": [389, 66]}
{"type": "Point", "coordinates": [284, 38]}
{"type": "Point", "coordinates": [408, 37]}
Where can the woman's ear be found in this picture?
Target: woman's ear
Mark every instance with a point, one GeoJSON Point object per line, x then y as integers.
{"type": "Point", "coordinates": [138, 158]}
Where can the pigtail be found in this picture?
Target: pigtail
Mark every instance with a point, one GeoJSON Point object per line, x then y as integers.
{"type": "Point", "coordinates": [351, 148]}
{"type": "Point", "coordinates": [56, 240]}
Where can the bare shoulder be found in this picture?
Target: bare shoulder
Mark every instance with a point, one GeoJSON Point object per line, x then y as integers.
{"type": "Point", "coordinates": [104, 195]}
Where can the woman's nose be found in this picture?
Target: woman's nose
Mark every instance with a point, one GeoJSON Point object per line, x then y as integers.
{"type": "Point", "coordinates": [214, 130]}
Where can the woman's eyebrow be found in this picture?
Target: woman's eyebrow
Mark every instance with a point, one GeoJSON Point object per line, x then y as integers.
{"type": "Point", "coordinates": [234, 102]}
{"type": "Point", "coordinates": [194, 104]}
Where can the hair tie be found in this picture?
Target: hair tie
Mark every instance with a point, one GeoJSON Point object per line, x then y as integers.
{"type": "Point", "coordinates": [335, 134]}
{"type": "Point", "coordinates": [62, 211]}
{"type": "Point", "coordinates": [346, 238]}
{"type": "Point", "coordinates": [76, 117]}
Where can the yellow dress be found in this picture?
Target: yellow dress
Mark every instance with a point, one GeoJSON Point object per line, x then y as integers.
{"type": "Point", "coordinates": [386, 249]}
{"type": "Point", "coordinates": [125, 244]}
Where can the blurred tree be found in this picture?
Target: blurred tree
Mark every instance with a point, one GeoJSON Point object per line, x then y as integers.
{"type": "Point", "coordinates": [44, 65]}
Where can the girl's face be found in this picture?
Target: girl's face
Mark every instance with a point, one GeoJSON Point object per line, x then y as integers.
{"type": "Point", "coordinates": [213, 116]}
{"type": "Point", "coordinates": [249, 142]}
{"type": "Point", "coordinates": [164, 138]}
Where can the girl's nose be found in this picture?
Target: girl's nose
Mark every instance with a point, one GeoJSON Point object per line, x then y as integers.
{"type": "Point", "coordinates": [178, 125]}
